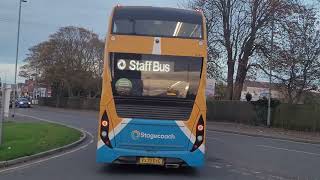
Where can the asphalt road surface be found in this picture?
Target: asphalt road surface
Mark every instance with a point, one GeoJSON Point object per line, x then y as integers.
{"type": "Point", "coordinates": [229, 157]}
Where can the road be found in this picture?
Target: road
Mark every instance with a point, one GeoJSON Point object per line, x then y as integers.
{"type": "Point", "coordinates": [229, 157]}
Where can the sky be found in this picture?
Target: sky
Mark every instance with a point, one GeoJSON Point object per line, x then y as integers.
{"type": "Point", "coordinates": [40, 18]}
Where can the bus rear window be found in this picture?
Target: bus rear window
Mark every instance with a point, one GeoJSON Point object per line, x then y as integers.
{"type": "Point", "coordinates": [159, 28]}
{"type": "Point", "coordinates": [141, 75]}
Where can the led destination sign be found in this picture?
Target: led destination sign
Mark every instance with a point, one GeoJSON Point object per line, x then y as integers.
{"type": "Point", "coordinates": [145, 65]}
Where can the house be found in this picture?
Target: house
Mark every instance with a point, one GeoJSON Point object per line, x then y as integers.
{"type": "Point", "coordinates": [259, 90]}
{"type": "Point", "coordinates": [35, 90]}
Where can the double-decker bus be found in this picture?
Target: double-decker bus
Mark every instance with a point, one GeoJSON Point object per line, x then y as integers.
{"type": "Point", "coordinates": [153, 105]}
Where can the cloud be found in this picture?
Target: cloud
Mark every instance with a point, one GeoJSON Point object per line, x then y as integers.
{"type": "Point", "coordinates": [40, 18]}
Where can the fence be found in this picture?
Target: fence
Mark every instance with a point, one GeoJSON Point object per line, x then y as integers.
{"type": "Point", "coordinates": [231, 111]}
{"type": "Point", "coordinates": [298, 117]}
{"type": "Point", "coordinates": [72, 103]}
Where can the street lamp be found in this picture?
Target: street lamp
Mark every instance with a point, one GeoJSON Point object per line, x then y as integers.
{"type": "Point", "coordinates": [270, 68]}
{"type": "Point", "coordinates": [17, 56]}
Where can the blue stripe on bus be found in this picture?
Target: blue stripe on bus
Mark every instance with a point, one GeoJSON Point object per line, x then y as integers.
{"type": "Point", "coordinates": [160, 135]}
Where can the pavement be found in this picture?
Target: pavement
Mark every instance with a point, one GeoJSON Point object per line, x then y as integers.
{"type": "Point", "coordinates": [229, 156]}
{"type": "Point", "coordinates": [276, 133]}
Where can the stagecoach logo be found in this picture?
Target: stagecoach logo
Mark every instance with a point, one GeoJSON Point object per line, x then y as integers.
{"type": "Point", "coordinates": [144, 65]}
{"type": "Point", "coordinates": [121, 64]}
{"type": "Point", "coordinates": [135, 135]}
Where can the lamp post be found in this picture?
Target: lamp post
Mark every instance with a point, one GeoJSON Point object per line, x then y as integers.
{"type": "Point", "coordinates": [17, 57]}
{"type": "Point", "coordinates": [270, 69]}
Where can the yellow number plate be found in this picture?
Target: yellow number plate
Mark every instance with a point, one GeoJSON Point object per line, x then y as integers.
{"type": "Point", "coordinates": [151, 161]}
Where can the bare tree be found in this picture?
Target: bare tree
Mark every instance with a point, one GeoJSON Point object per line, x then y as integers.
{"type": "Point", "coordinates": [235, 30]}
{"type": "Point", "coordinates": [296, 58]}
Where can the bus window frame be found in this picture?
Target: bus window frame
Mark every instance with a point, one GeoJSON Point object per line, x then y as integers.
{"type": "Point", "coordinates": [111, 67]}
{"type": "Point", "coordinates": [162, 36]}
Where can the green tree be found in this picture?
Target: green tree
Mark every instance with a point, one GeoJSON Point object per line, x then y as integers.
{"type": "Point", "coordinates": [71, 61]}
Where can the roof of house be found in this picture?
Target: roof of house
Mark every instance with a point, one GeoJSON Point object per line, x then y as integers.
{"type": "Point", "coordinates": [260, 84]}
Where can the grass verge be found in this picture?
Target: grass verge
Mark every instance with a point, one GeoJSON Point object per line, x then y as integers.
{"type": "Point", "coordinates": [25, 139]}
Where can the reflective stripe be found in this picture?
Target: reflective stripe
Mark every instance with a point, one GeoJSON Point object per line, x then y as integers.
{"type": "Point", "coordinates": [202, 148]}
{"type": "Point", "coordinates": [100, 144]}
{"type": "Point", "coordinates": [119, 128]}
{"type": "Point", "coordinates": [114, 132]}
{"type": "Point", "coordinates": [191, 136]}
{"type": "Point", "coordinates": [186, 131]}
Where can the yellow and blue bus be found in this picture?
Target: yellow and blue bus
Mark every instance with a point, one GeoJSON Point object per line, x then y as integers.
{"type": "Point", "coordinates": [153, 105]}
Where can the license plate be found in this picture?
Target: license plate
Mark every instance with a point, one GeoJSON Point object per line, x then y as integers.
{"type": "Point", "coordinates": [151, 161]}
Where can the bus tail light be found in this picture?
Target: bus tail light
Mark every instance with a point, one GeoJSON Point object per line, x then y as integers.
{"type": "Point", "coordinates": [104, 129]}
{"type": "Point", "coordinates": [104, 123]}
{"type": "Point", "coordinates": [199, 135]}
{"type": "Point", "coordinates": [200, 127]}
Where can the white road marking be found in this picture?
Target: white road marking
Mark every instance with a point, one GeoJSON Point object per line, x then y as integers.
{"type": "Point", "coordinates": [215, 139]}
{"type": "Point", "coordinates": [217, 167]}
{"type": "Point", "coordinates": [274, 139]}
{"type": "Point", "coordinates": [26, 165]}
{"type": "Point", "coordinates": [290, 150]}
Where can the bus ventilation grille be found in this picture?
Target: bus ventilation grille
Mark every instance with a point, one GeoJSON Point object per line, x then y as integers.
{"type": "Point", "coordinates": [153, 112]}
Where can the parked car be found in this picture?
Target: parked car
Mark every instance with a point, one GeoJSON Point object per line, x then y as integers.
{"type": "Point", "coordinates": [23, 103]}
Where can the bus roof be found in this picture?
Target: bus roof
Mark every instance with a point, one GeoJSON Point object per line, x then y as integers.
{"type": "Point", "coordinates": [158, 13]}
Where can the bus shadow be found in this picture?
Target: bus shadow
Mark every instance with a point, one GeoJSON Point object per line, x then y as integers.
{"type": "Point", "coordinates": [136, 170]}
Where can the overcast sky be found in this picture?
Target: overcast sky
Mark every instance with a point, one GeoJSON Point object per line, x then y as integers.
{"type": "Point", "coordinates": [40, 18]}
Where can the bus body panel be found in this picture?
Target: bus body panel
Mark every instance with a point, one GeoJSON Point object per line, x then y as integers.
{"type": "Point", "coordinates": [123, 131]}
{"type": "Point", "coordinates": [145, 45]}
{"type": "Point", "coordinates": [107, 155]}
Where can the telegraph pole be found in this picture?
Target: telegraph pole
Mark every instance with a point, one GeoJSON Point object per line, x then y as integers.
{"type": "Point", "coordinates": [17, 57]}
{"type": "Point", "coordinates": [270, 70]}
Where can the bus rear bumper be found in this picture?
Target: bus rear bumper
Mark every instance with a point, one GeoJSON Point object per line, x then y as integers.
{"type": "Point", "coordinates": [127, 156]}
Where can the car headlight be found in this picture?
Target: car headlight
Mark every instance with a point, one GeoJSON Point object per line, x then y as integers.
{"type": "Point", "coordinates": [20, 102]}
{"type": "Point", "coordinates": [29, 103]}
